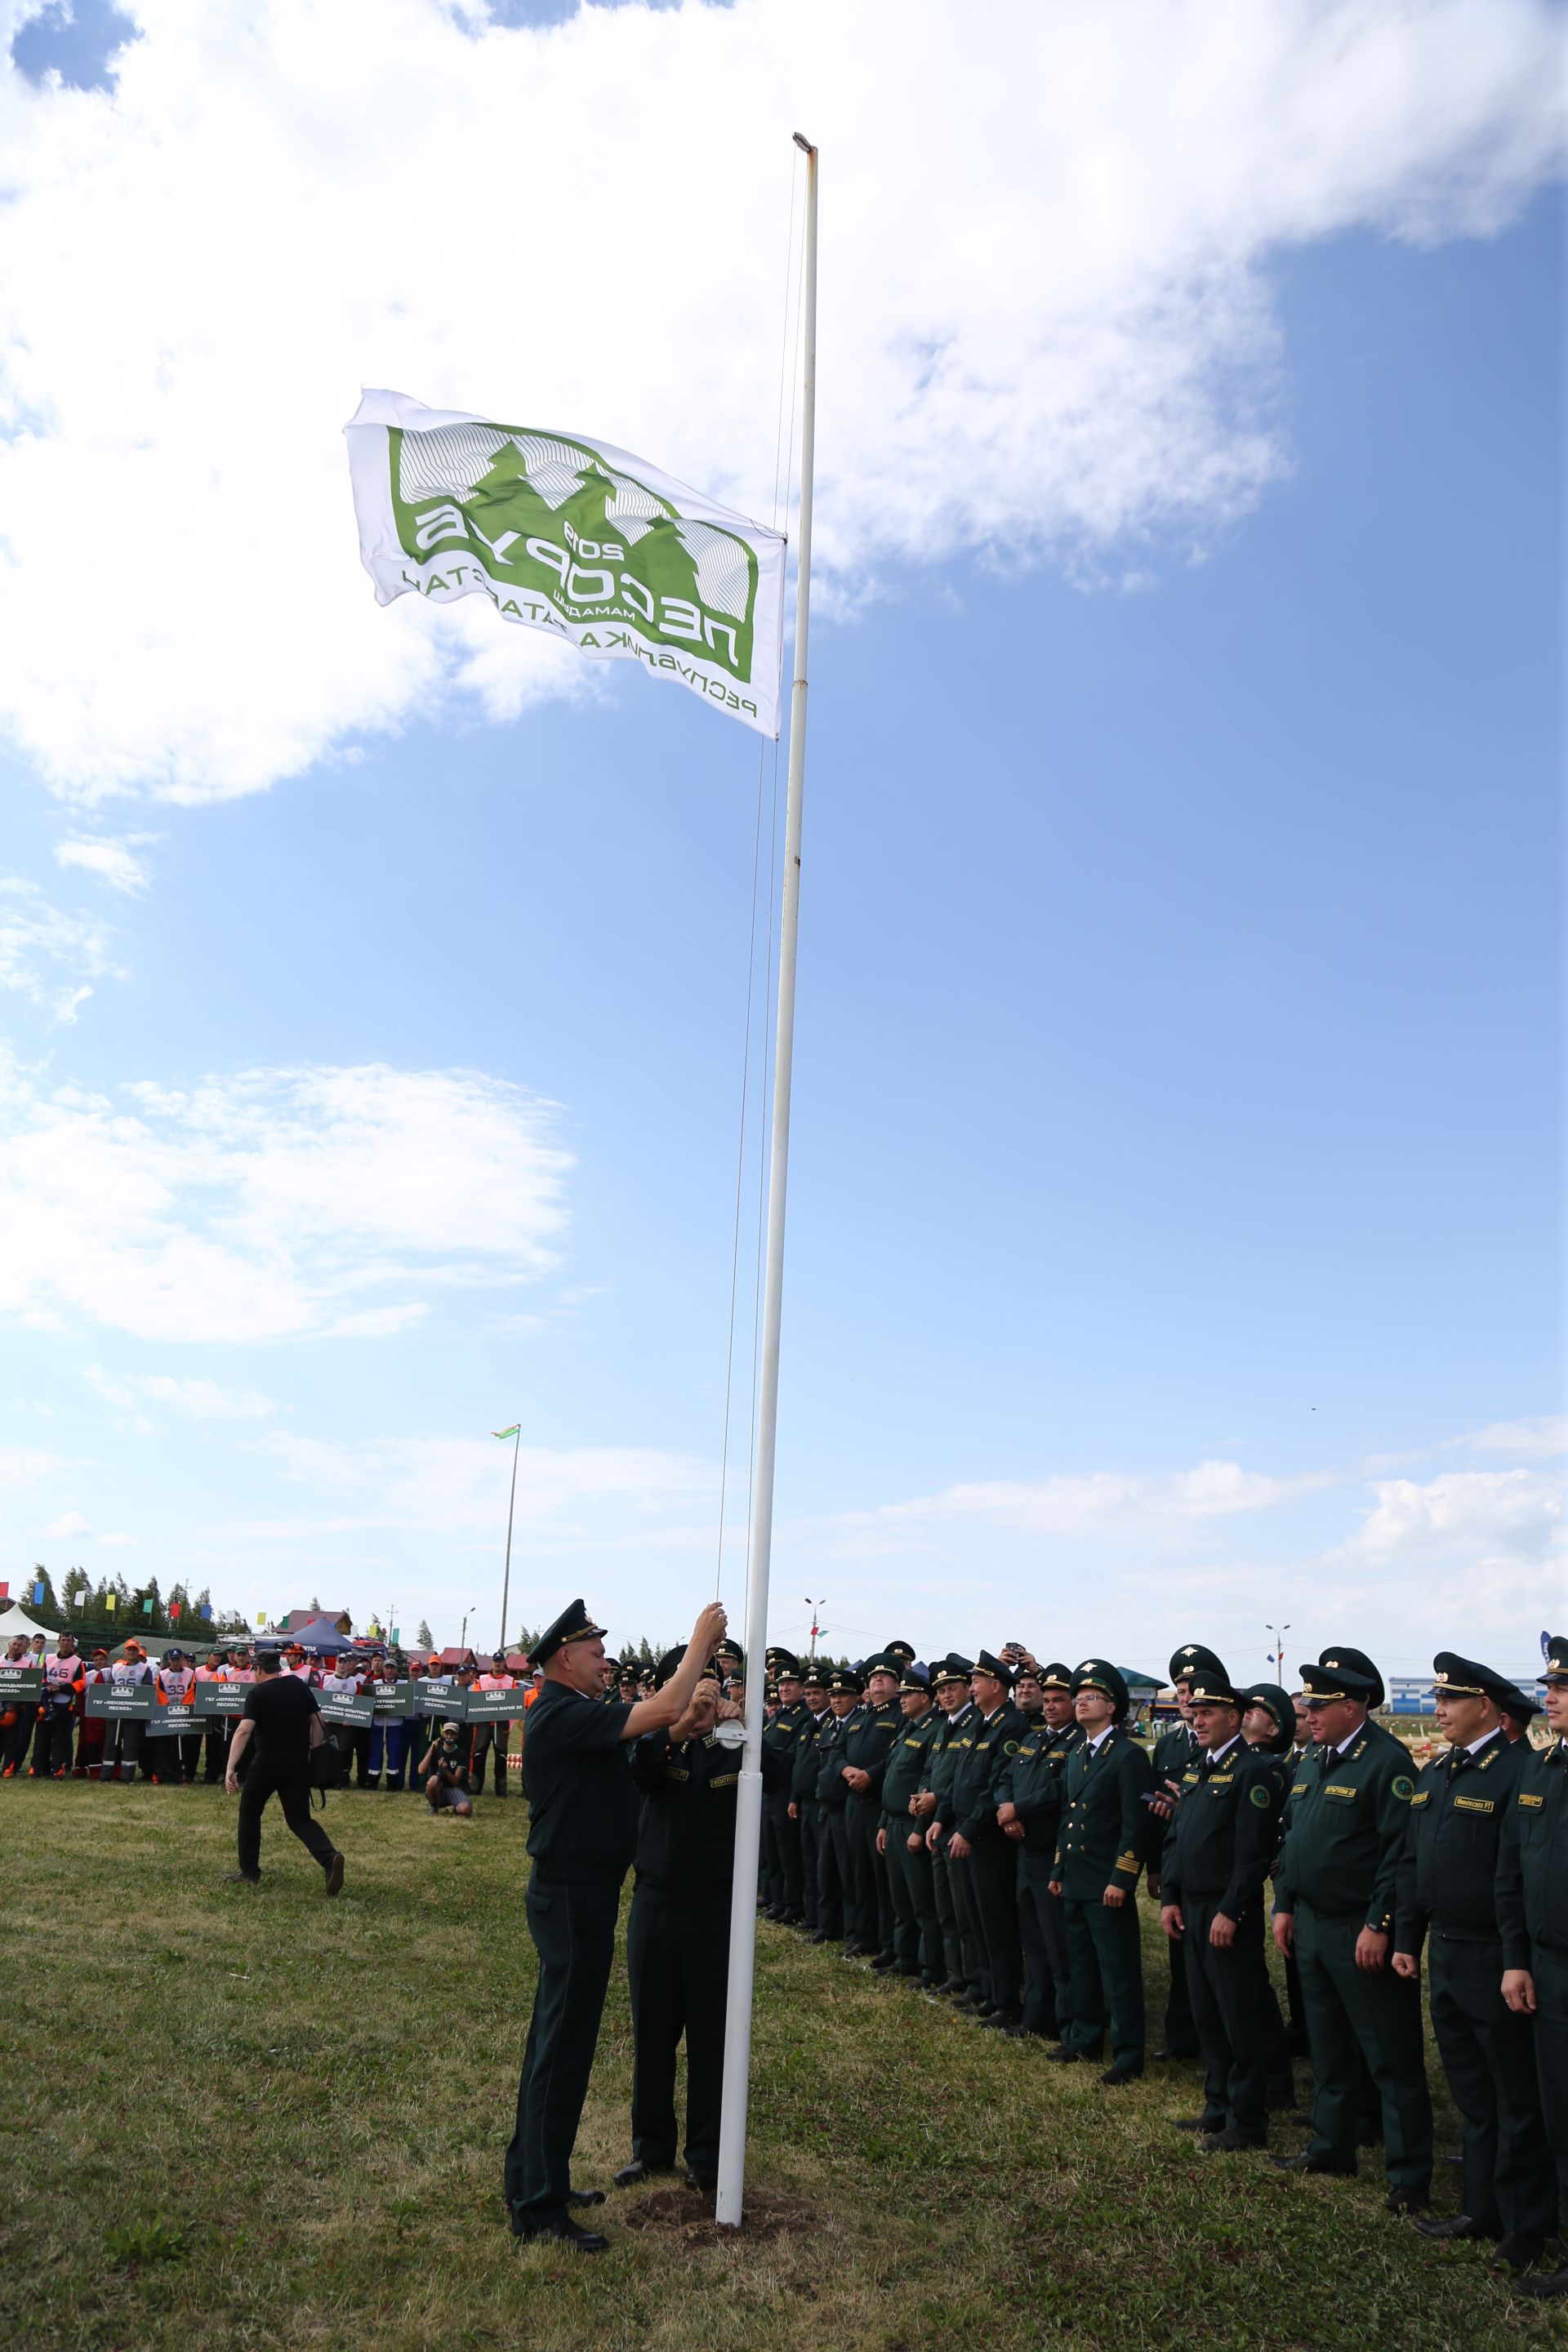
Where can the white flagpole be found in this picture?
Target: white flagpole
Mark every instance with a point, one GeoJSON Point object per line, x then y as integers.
{"type": "Point", "coordinates": [749, 1807]}
{"type": "Point", "coordinates": [510, 1506]}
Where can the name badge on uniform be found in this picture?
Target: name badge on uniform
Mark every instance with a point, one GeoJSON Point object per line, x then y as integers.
{"type": "Point", "coordinates": [1475, 1805]}
{"type": "Point", "coordinates": [1525, 1798]}
{"type": "Point", "coordinates": [1422, 1797]}
{"type": "Point", "coordinates": [1340, 1789]}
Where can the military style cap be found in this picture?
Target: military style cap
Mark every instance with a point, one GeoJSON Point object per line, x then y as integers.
{"type": "Point", "coordinates": [884, 1662]}
{"type": "Point", "coordinates": [911, 1679]}
{"type": "Point", "coordinates": [1095, 1675]}
{"type": "Point", "coordinates": [1205, 1688]}
{"type": "Point", "coordinates": [1056, 1676]}
{"type": "Point", "coordinates": [770, 1691]}
{"type": "Point", "coordinates": [903, 1651]}
{"type": "Point", "coordinates": [1555, 1670]}
{"type": "Point", "coordinates": [1341, 1673]}
{"type": "Point", "coordinates": [845, 1678]}
{"type": "Point", "coordinates": [1519, 1704]}
{"type": "Point", "coordinates": [1456, 1677]}
{"type": "Point", "coordinates": [951, 1669]}
{"type": "Point", "coordinates": [782, 1662]}
{"type": "Point", "coordinates": [1194, 1658]}
{"type": "Point", "coordinates": [1278, 1704]}
{"type": "Point", "coordinates": [817, 1678]}
{"type": "Point", "coordinates": [573, 1624]}
{"type": "Point", "coordinates": [671, 1659]}
{"type": "Point", "coordinates": [986, 1664]}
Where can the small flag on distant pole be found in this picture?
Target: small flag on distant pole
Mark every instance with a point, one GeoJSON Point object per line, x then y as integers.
{"type": "Point", "coordinates": [112, 1601]}
{"type": "Point", "coordinates": [147, 1606]}
{"type": "Point", "coordinates": [207, 1610]}
{"type": "Point", "coordinates": [597, 549]}
{"type": "Point", "coordinates": [507, 1432]}
{"type": "Point", "coordinates": [37, 1592]}
{"type": "Point", "coordinates": [173, 1613]}
{"type": "Point", "coordinates": [261, 1620]}
{"type": "Point", "coordinates": [5, 1591]}
{"type": "Point", "coordinates": [396, 1634]}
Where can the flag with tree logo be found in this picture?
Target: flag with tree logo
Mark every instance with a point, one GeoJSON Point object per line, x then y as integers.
{"type": "Point", "coordinates": [568, 535]}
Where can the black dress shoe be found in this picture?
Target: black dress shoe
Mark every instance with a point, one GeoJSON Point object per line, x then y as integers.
{"type": "Point", "coordinates": [853, 1948]}
{"type": "Point", "coordinates": [1456, 2225]}
{"type": "Point", "coordinates": [581, 2196]}
{"type": "Point", "coordinates": [1197, 2123]}
{"type": "Point", "coordinates": [564, 2231]}
{"type": "Point", "coordinates": [1114, 2077]}
{"type": "Point", "coordinates": [1407, 2200]}
{"type": "Point", "coordinates": [1062, 2057]}
{"type": "Point", "coordinates": [1173, 2053]}
{"type": "Point", "coordinates": [631, 2174]}
{"type": "Point", "coordinates": [884, 1964]}
{"type": "Point", "coordinates": [707, 2182]}
{"type": "Point", "coordinates": [821, 1936]}
{"type": "Point", "coordinates": [1229, 2141]}
{"type": "Point", "coordinates": [1517, 2254]}
{"type": "Point", "coordinates": [334, 1874]}
{"type": "Point", "coordinates": [905, 1969]}
{"type": "Point", "coordinates": [1308, 2163]}
{"type": "Point", "coordinates": [1545, 2284]}
{"type": "Point", "coordinates": [1005, 2021]}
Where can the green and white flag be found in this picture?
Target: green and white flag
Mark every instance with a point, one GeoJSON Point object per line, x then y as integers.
{"type": "Point", "coordinates": [572, 537]}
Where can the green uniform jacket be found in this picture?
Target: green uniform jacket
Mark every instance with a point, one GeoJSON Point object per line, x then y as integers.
{"type": "Point", "coordinates": [941, 1756]}
{"type": "Point", "coordinates": [1033, 1780]}
{"type": "Point", "coordinates": [1447, 1872]}
{"type": "Point", "coordinates": [1532, 1860]}
{"type": "Point", "coordinates": [803, 1758]}
{"type": "Point", "coordinates": [870, 1734]}
{"type": "Point", "coordinates": [980, 1753]}
{"type": "Point", "coordinates": [1346, 1819]}
{"type": "Point", "coordinates": [1224, 1833]}
{"type": "Point", "coordinates": [1104, 1818]}
{"type": "Point", "coordinates": [781, 1733]}
{"type": "Point", "coordinates": [905, 1766]}
{"type": "Point", "coordinates": [830, 1790]}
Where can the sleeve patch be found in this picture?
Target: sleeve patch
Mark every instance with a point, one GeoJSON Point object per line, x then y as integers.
{"type": "Point", "coordinates": [1259, 1797]}
{"type": "Point", "coordinates": [1403, 1786]}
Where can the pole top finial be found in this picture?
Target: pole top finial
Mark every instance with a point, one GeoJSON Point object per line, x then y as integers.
{"type": "Point", "coordinates": [802, 142]}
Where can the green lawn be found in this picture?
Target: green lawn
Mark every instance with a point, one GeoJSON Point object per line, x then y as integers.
{"type": "Point", "coordinates": [311, 2098]}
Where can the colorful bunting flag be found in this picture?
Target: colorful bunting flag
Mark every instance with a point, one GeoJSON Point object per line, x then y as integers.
{"type": "Point", "coordinates": [147, 1606]}
{"type": "Point", "coordinates": [507, 1432]}
{"type": "Point", "coordinates": [37, 1591]}
{"type": "Point", "coordinates": [112, 1601]}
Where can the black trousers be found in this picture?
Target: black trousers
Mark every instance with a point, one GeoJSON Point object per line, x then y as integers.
{"type": "Point", "coordinates": [1107, 1962]}
{"type": "Point", "coordinates": [488, 1738]}
{"type": "Point", "coordinates": [1048, 1996]}
{"type": "Point", "coordinates": [1225, 1991]}
{"type": "Point", "coordinates": [678, 1959]}
{"type": "Point", "coordinates": [971, 1933]}
{"type": "Point", "coordinates": [572, 1923]}
{"type": "Point", "coordinates": [836, 1834]}
{"type": "Point", "coordinates": [1550, 1971]}
{"type": "Point", "coordinates": [810, 1892]}
{"type": "Point", "coordinates": [1489, 2057]}
{"type": "Point", "coordinates": [953, 1961]}
{"type": "Point", "coordinates": [867, 1876]}
{"type": "Point", "coordinates": [1355, 2014]}
{"type": "Point", "coordinates": [994, 1865]}
{"type": "Point", "coordinates": [1183, 2039]}
{"type": "Point", "coordinates": [215, 1743]}
{"type": "Point", "coordinates": [781, 1853]}
{"type": "Point", "coordinates": [292, 1785]}
{"type": "Point", "coordinates": [829, 1884]}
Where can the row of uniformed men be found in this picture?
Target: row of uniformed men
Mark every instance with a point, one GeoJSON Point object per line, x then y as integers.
{"type": "Point", "coordinates": [981, 1828]}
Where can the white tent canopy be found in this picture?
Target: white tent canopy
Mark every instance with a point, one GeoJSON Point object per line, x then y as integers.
{"type": "Point", "coordinates": [15, 1620]}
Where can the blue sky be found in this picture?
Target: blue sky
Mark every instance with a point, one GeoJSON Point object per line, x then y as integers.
{"type": "Point", "coordinates": [1177, 1187]}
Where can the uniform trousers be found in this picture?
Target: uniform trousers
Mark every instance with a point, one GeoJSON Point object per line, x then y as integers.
{"type": "Point", "coordinates": [1107, 1963]}
{"type": "Point", "coordinates": [1048, 2000]}
{"type": "Point", "coordinates": [836, 1833]}
{"type": "Point", "coordinates": [572, 1923]}
{"type": "Point", "coordinates": [947, 1918]}
{"type": "Point", "coordinates": [829, 1884]}
{"type": "Point", "coordinates": [121, 1745]}
{"type": "Point", "coordinates": [389, 1739]}
{"type": "Point", "coordinates": [62, 1739]}
{"type": "Point", "coordinates": [994, 1865]}
{"type": "Point", "coordinates": [1489, 2057]}
{"type": "Point", "coordinates": [917, 1933]}
{"type": "Point", "coordinates": [1550, 1971]}
{"type": "Point", "coordinates": [1228, 2010]}
{"type": "Point", "coordinates": [678, 1960]}
{"type": "Point", "coordinates": [971, 1935]}
{"type": "Point", "coordinates": [781, 1853]}
{"type": "Point", "coordinates": [867, 1875]}
{"type": "Point", "coordinates": [810, 1863]}
{"type": "Point", "coordinates": [1354, 2014]}
{"type": "Point", "coordinates": [215, 1742]}
{"type": "Point", "coordinates": [1183, 2039]}
{"type": "Point", "coordinates": [292, 1785]}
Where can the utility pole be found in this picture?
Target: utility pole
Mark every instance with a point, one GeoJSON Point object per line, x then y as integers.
{"type": "Point", "coordinates": [816, 1629]}
{"type": "Point", "coordinates": [1277, 1635]}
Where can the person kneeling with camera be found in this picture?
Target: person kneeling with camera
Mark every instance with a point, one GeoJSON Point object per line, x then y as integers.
{"type": "Point", "coordinates": [446, 1782]}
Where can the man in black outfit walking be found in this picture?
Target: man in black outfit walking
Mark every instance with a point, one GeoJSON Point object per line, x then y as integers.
{"type": "Point", "coordinates": [280, 1725]}
{"type": "Point", "coordinates": [583, 1829]}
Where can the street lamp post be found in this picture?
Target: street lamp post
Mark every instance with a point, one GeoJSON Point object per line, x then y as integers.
{"type": "Point", "coordinates": [1277, 1634]}
{"type": "Point", "coordinates": [816, 1629]}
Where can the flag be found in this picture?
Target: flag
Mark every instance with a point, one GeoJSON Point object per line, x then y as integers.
{"type": "Point", "coordinates": [5, 1591]}
{"type": "Point", "coordinates": [507, 1432]}
{"type": "Point", "coordinates": [173, 1613]}
{"type": "Point", "coordinates": [37, 1592]}
{"type": "Point", "coordinates": [147, 1606]}
{"type": "Point", "coordinates": [396, 1637]}
{"type": "Point", "coordinates": [207, 1610]}
{"type": "Point", "coordinates": [261, 1620]}
{"type": "Point", "coordinates": [570, 536]}
{"type": "Point", "coordinates": [111, 1600]}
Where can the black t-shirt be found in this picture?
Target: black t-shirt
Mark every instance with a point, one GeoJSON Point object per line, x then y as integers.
{"type": "Point", "coordinates": [281, 1706]}
{"type": "Point", "coordinates": [577, 1774]}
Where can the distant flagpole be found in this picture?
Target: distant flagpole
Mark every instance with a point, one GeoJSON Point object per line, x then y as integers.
{"type": "Point", "coordinates": [515, 1434]}
{"type": "Point", "coordinates": [749, 1807]}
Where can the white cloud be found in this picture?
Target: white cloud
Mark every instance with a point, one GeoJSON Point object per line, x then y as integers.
{"type": "Point", "coordinates": [1117, 1506]}
{"type": "Point", "coordinates": [68, 1525]}
{"type": "Point", "coordinates": [46, 955]}
{"type": "Point", "coordinates": [1543, 1438]}
{"type": "Point", "coordinates": [118, 1542]}
{"type": "Point", "coordinates": [199, 1399]}
{"type": "Point", "coordinates": [266, 1205]}
{"type": "Point", "coordinates": [23, 1466]}
{"type": "Point", "coordinates": [112, 861]}
{"type": "Point", "coordinates": [452, 1484]}
{"type": "Point", "coordinates": [1489, 1520]}
{"type": "Point", "coordinates": [1046, 323]}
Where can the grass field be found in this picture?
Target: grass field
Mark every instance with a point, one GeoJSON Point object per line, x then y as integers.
{"type": "Point", "coordinates": [310, 2099]}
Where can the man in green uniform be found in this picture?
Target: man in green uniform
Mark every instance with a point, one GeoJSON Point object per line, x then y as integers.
{"type": "Point", "coordinates": [583, 1824]}
{"type": "Point", "coordinates": [865, 1744]}
{"type": "Point", "coordinates": [1104, 1829]}
{"type": "Point", "coordinates": [1446, 1891]}
{"type": "Point", "coordinates": [844, 1693]}
{"type": "Point", "coordinates": [783, 1891]}
{"type": "Point", "coordinates": [950, 1688]}
{"type": "Point", "coordinates": [1222, 1837]}
{"type": "Point", "coordinates": [1345, 1823]}
{"type": "Point", "coordinates": [678, 1933]}
{"type": "Point", "coordinates": [1028, 1811]}
{"type": "Point", "coordinates": [1532, 1913]}
{"type": "Point", "coordinates": [982, 1865]}
{"type": "Point", "coordinates": [917, 1932]}
{"type": "Point", "coordinates": [1174, 1753]}
{"type": "Point", "coordinates": [818, 1897]}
